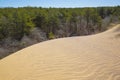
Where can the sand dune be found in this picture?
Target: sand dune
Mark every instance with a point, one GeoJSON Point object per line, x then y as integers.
{"type": "Point", "coordinates": [95, 57]}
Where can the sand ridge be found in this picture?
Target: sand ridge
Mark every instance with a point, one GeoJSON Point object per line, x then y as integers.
{"type": "Point", "coordinates": [95, 57]}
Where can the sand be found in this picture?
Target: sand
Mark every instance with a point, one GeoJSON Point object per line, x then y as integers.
{"type": "Point", "coordinates": [94, 57]}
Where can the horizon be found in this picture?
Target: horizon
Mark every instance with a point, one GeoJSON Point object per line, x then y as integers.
{"type": "Point", "coordinates": [58, 3]}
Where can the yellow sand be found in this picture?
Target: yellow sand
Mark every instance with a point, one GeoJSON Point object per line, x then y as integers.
{"type": "Point", "coordinates": [95, 57]}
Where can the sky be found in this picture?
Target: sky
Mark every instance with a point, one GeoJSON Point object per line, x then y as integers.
{"type": "Point", "coordinates": [58, 3]}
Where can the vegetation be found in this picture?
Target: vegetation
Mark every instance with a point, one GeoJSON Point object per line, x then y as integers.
{"type": "Point", "coordinates": [51, 35]}
{"type": "Point", "coordinates": [26, 24]}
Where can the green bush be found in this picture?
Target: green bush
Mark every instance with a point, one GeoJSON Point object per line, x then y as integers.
{"type": "Point", "coordinates": [51, 35]}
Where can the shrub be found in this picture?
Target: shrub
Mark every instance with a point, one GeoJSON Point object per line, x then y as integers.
{"type": "Point", "coordinates": [51, 35]}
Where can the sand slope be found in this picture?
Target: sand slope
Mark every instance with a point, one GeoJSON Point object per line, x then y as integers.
{"type": "Point", "coordinates": [95, 57]}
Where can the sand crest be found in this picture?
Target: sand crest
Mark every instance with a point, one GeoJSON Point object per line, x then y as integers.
{"type": "Point", "coordinates": [95, 57]}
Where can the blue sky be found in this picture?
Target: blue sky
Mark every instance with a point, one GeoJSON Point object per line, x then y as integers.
{"type": "Point", "coordinates": [58, 3]}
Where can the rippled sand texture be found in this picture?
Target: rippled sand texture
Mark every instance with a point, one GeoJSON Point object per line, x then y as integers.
{"type": "Point", "coordinates": [95, 57]}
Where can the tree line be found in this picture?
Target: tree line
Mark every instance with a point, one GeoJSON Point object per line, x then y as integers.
{"type": "Point", "coordinates": [17, 22]}
{"type": "Point", "coordinates": [49, 23]}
